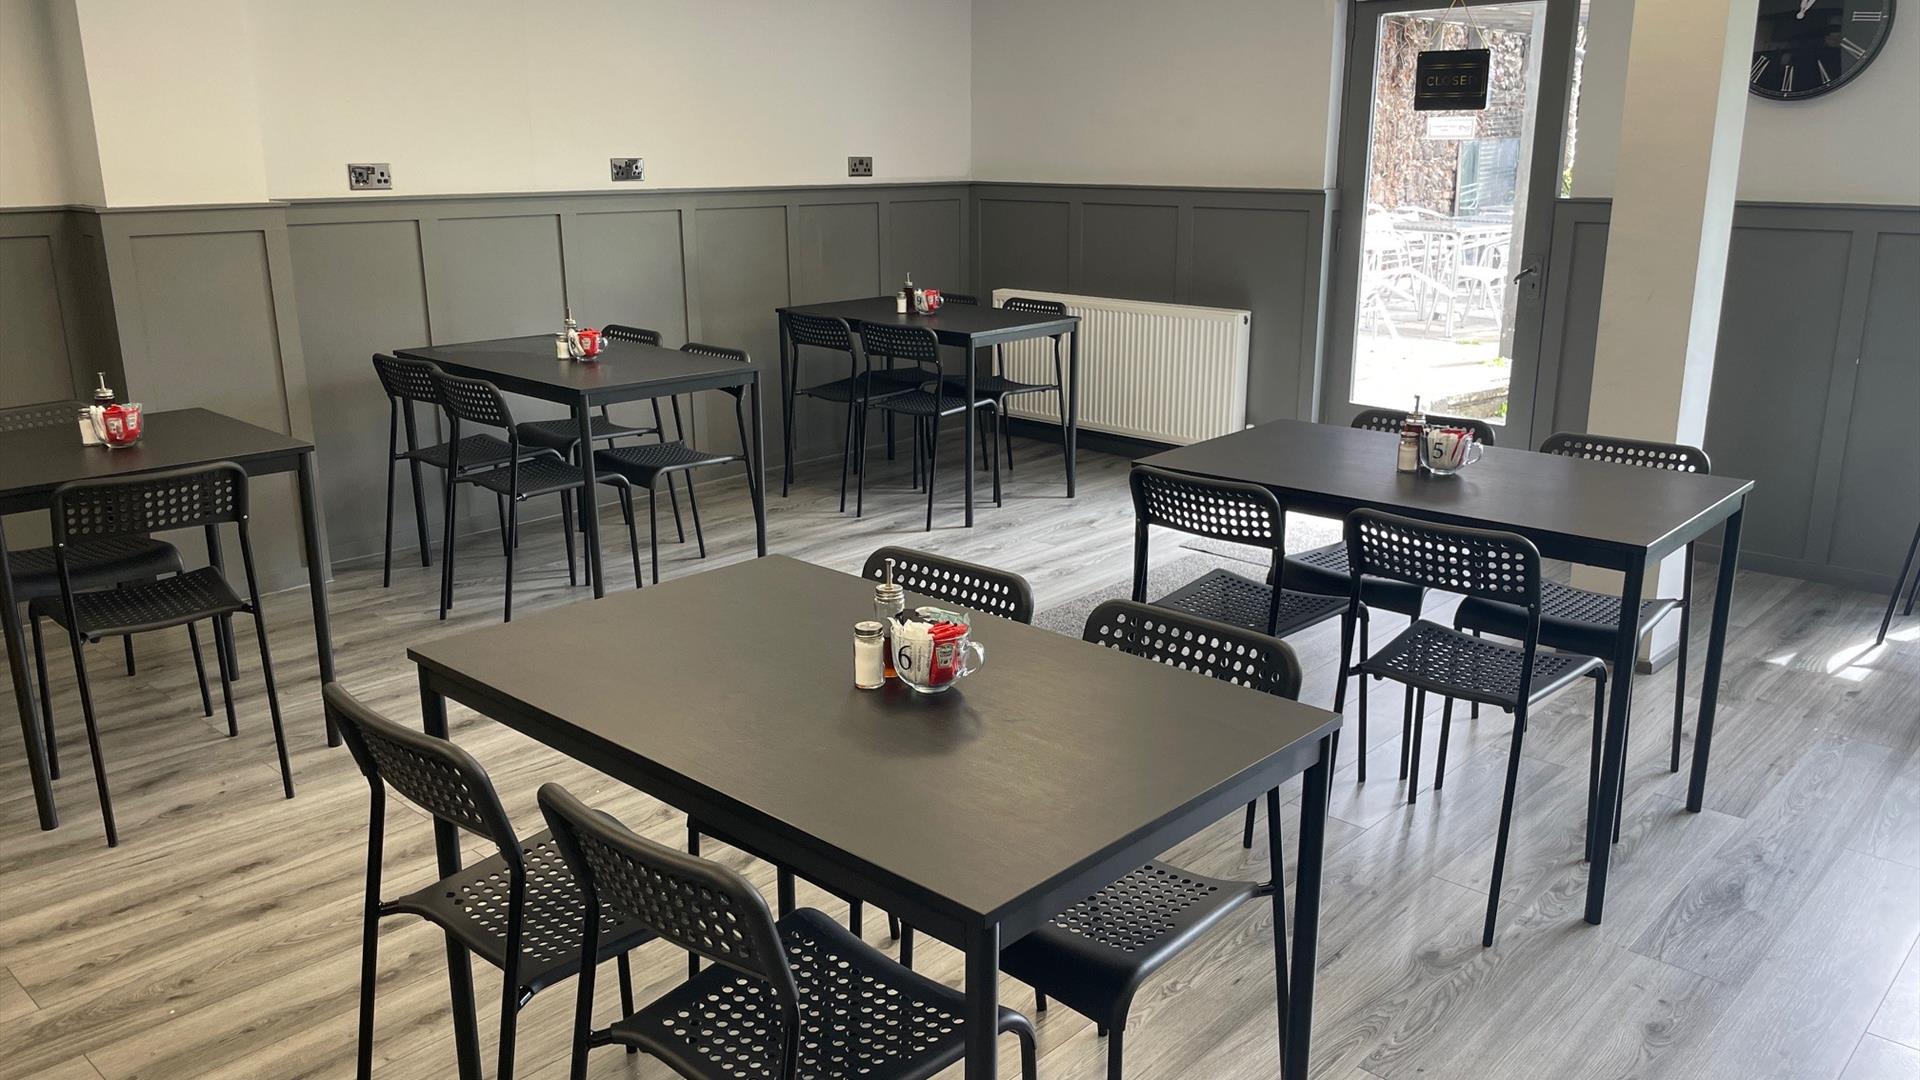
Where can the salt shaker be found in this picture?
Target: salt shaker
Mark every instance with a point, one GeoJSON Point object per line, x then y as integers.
{"type": "Point", "coordinates": [89, 435]}
{"type": "Point", "coordinates": [1410, 431]}
{"type": "Point", "coordinates": [869, 655]}
{"type": "Point", "coordinates": [889, 599]}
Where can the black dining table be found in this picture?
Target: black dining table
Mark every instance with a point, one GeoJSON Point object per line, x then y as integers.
{"type": "Point", "coordinates": [35, 461]}
{"type": "Point", "coordinates": [624, 371]}
{"type": "Point", "coordinates": [961, 326]}
{"type": "Point", "coordinates": [1589, 512]}
{"type": "Point", "coordinates": [974, 815]}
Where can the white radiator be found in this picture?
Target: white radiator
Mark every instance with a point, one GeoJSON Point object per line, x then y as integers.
{"type": "Point", "coordinates": [1166, 372]}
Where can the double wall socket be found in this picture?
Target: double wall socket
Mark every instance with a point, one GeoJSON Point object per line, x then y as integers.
{"type": "Point", "coordinates": [372, 176]}
{"type": "Point", "coordinates": [859, 166]}
{"type": "Point", "coordinates": [628, 168]}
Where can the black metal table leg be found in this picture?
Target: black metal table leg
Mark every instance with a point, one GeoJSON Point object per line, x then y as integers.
{"type": "Point", "coordinates": [446, 846]}
{"type": "Point", "coordinates": [967, 436]}
{"type": "Point", "coordinates": [313, 536]}
{"type": "Point", "coordinates": [786, 408]}
{"type": "Point", "coordinates": [1613, 744]}
{"type": "Point", "coordinates": [23, 697]}
{"type": "Point", "coordinates": [756, 466]}
{"type": "Point", "coordinates": [1073, 406]}
{"type": "Point", "coordinates": [1297, 1019]}
{"type": "Point", "coordinates": [589, 497]}
{"type": "Point", "coordinates": [1716, 650]}
{"type": "Point", "coordinates": [983, 1001]}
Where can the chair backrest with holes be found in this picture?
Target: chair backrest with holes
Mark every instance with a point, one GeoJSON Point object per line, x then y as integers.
{"type": "Point", "coordinates": [1673, 457]}
{"type": "Point", "coordinates": [431, 773]}
{"type": "Point", "coordinates": [698, 905]}
{"type": "Point", "coordinates": [915, 344]}
{"type": "Point", "coordinates": [718, 352]}
{"type": "Point", "coordinates": [1214, 649]}
{"type": "Point", "coordinates": [982, 588]}
{"type": "Point", "coordinates": [407, 380]}
{"type": "Point", "coordinates": [1499, 566]}
{"type": "Point", "coordinates": [1390, 420]}
{"type": "Point", "coordinates": [968, 299]}
{"type": "Point", "coordinates": [819, 331]}
{"type": "Point", "coordinates": [44, 414]}
{"type": "Point", "coordinates": [473, 400]}
{"type": "Point", "coordinates": [1218, 509]}
{"type": "Point", "coordinates": [630, 333]}
{"type": "Point", "coordinates": [1032, 306]}
{"type": "Point", "coordinates": [149, 502]}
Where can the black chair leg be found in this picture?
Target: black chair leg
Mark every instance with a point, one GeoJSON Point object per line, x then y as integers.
{"type": "Point", "coordinates": [273, 692]}
{"type": "Point", "coordinates": [625, 967]}
{"type": "Point", "coordinates": [93, 738]}
{"type": "Point", "coordinates": [857, 918]}
{"type": "Point", "coordinates": [566, 518]}
{"type": "Point", "coordinates": [893, 926]}
{"type": "Point", "coordinates": [633, 536]}
{"type": "Point", "coordinates": [1359, 762]}
{"type": "Point", "coordinates": [1680, 679]}
{"type": "Point", "coordinates": [222, 639]}
{"type": "Point", "coordinates": [693, 848]}
{"type": "Point", "coordinates": [1475, 713]}
{"type": "Point", "coordinates": [386, 557]}
{"type": "Point", "coordinates": [1115, 1037]}
{"type": "Point", "coordinates": [507, 539]}
{"type": "Point", "coordinates": [1419, 725]}
{"type": "Point", "coordinates": [1039, 1002]}
{"type": "Point", "coordinates": [1506, 823]}
{"type": "Point", "coordinates": [846, 452]}
{"type": "Point", "coordinates": [446, 546]}
{"type": "Point", "coordinates": [860, 460]}
{"type": "Point", "coordinates": [513, 522]}
{"type": "Point", "coordinates": [660, 434]}
{"type": "Point", "coordinates": [1893, 601]}
{"type": "Point", "coordinates": [199, 670]}
{"type": "Point", "coordinates": [906, 946]}
{"type": "Point", "coordinates": [933, 459]}
{"type": "Point", "coordinates": [653, 536]}
{"type": "Point", "coordinates": [369, 973]}
{"type": "Point", "coordinates": [693, 510]}
{"type": "Point", "coordinates": [1593, 759]}
{"type": "Point", "coordinates": [509, 1027]}
{"type": "Point", "coordinates": [46, 702]}
{"type": "Point", "coordinates": [1000, 417]}
{"type": "Point", "coordinates": [1406, 732]}
{"type": "Point", "coordinates": [1246, 834]}
{"type": "Point", "coordinates": [126, 646]}
{"type": "Point", "coordinates": [420, 514]}
{"type": "Point", "coordinates": [994, 429]}
{"type": "Point", "coordinates": [1440, 758]}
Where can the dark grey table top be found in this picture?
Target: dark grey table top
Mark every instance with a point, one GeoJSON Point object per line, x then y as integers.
{"type": "Point", "coordinates": [35, 461]}
{"type": "Point", "coordinates": [736, 684]}
{"type": "Point", "coordinates": [1567, 506]}
{"type": "Point", "coordinates": [625, 370]}
{"type": "Point", "coordinates": [956, 324]}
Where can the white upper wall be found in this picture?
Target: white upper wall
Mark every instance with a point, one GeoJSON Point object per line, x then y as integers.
{"type": "Point", "coordinates": [1859, 144]}
{"type": "Point", "coordinates": [47, 155]}
{"type": "Point", "coordinates": [1218, 93]}
{"type": "Point", "coordinates": [536, 95]}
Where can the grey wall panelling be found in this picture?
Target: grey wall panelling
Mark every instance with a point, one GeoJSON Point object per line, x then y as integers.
{"type": "Point", "coordinates": [1816, 384]}
{"type": "Point", "coordinates": [1253, 249]}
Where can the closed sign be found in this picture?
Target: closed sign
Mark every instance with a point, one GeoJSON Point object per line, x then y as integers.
{"type": "Point", "coordinates": [1451, 79]}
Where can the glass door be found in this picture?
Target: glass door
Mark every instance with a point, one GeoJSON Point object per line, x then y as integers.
{"type": "Point", "coordinates": [1444, 217]}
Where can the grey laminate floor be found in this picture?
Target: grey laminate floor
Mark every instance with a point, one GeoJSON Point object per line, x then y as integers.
{"type": "Point", "coordinates": [1772, 935]}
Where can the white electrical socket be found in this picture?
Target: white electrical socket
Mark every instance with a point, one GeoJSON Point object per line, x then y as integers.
{"type": "Point", "coordinates": [627, 168]}
{"type": "Point", "coordinates": [371, 176]}
{"type": "Point", "coordinates": [859, 166]}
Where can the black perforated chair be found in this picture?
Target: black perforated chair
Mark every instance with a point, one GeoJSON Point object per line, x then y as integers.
{"type": "Point", "coordinates": [95, 565]}
{"type": "Point", "coordinates": [407, 383]}
{"type": "Point", "coordinates": [1913, 592]}
{"type": "Point", "coordinates": [963, 299]}
{"type": "Point", "coordinates": [1581, 620]}
{"type": "Point", "coordinates": [858, 388]}
{"type": "Point", "coordinates": [519, 909]}
{"type": "Point", "coordinates": [796, 999]}
{"type": "Point", "coordinates": [645, 465]}
{"type": "Point", "coordinates": [971, 585]}
{"type": "Point", "coordinates": [1096, 955]}
{"type": "Point", "coordinates": [1428, 657]}
{"type": "Point", "coordinates": [996, 385]}
{"type": "Point", "coordinates": [563, 434]}
{"type": "Point", "coordinates": [475, 401]}
{"type": "Point", "coordinates": [90, 511]}
{"type": "Point", "coordinates": [925, 403]}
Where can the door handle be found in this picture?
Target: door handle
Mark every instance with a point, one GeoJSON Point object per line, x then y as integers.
{"type": "Point", "coordinates": [1527, 272]}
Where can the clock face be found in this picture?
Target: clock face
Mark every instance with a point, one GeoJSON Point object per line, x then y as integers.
{"type": "Point", "coordinates": [1804, 48]}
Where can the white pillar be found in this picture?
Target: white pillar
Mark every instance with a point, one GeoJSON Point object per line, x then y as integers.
{"type": "Point", "coordinates": [1682, 116]}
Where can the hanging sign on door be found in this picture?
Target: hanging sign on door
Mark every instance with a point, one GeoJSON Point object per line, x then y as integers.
{"type": "Point", "coordinates": [1454, 79]}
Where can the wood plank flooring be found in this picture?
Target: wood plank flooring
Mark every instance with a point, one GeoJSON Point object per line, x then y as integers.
{"type": "Point", "coordinates": [1773, 935]}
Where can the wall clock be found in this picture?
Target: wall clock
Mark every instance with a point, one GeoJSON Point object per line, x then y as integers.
{"type": "Point", "coordinates": [1805, 48]}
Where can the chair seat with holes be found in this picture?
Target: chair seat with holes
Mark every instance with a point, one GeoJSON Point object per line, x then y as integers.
{"type": "Point", "coordinates": [1224, 596]}
{"type": "Point", "coordinates": [642, 462]}
{"type": "Point", "coordinates": [1324, 570]}
{"type": "Point", "coordinates": [995, 386]}
{"type": "Point", "coordinates": [538, 476]}
{"type": "Point", "coordinates": [147, 605]}
{"type": "Point", "coordinates": [862, 1015]}
{"type": "Point", "coordinates": [563, 433]}
{"type": "Point", "coordinates": [472, 906]}
{"type": "Point", "coordinates": [1571, 619]}
{"type": "Point", "coordinates": [476, 452]}
{"type": "Point", "coordinates": [923, 402]}
{"type": "Point", "coordinates": [92, 564]}
{"type": "Point", "coordinates": [1095, 954]}
{"type": "Point", "coordinates": [878, 384]}
{"type": "Point", "coordinates": [1428, 656]}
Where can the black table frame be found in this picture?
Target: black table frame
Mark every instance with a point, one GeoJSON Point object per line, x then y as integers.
{"type": "Point", "coordinates": [978, 936]}
{"type": "Point", "coordinates": [965, 340]}
{"type": "Point", "coordinates": [295, 457]}
{"type": "Point", "coordinates": [1631, 560]}
{"type": "Point", "coordinates": [582, 401]}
